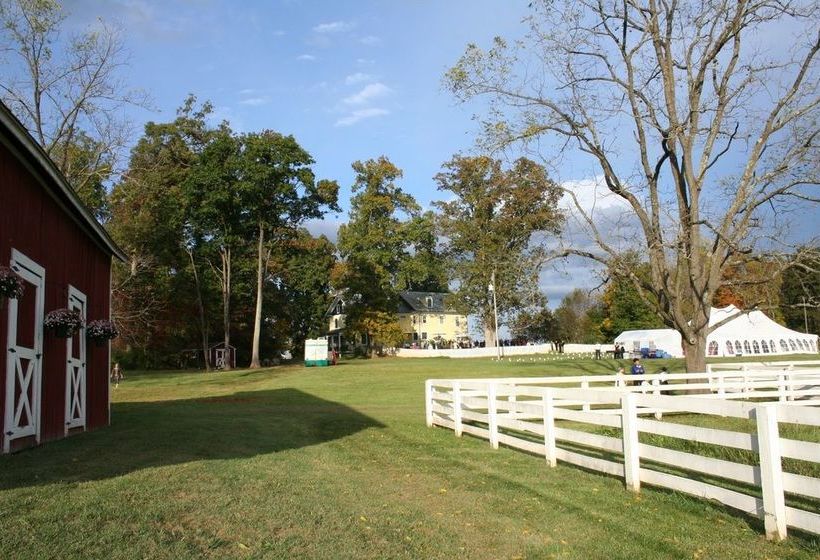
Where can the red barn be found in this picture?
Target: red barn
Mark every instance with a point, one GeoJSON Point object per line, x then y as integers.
{"type": "Point", "coordinates": [50, 387]}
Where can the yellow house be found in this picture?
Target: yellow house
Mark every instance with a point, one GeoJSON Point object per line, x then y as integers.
{"type": "Point", "coordinates": [424, 317]}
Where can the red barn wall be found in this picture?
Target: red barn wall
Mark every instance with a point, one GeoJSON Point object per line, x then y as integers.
{"type": "Point", "coordinates": [32, 222]}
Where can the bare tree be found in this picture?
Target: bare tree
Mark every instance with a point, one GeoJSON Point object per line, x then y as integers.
{"type": "Point", "coordinates": [700, 117]}
{"type": "Point", "coordinates": [67, 93]}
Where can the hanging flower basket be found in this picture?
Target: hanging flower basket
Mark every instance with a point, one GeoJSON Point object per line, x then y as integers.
{"type": "Point", "coordinates": [63, 322]}
{"type": "Point", "coordinates": [101, 331]}
{"type": "Point", "coordinates": [11, 285]}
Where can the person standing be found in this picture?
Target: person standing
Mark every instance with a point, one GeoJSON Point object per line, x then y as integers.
{"type": "Point", "coordinates": [598, 351]}
{"type": "Point", "coordinates": [116, 375]}
{"type": "Point", "coordinates": [637, 369]}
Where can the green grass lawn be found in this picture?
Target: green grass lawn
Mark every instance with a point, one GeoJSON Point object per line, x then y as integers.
{"type": "Point", "coordinates": [336, 463]}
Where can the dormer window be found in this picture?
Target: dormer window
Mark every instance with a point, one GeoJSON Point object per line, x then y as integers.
{"type": "Point", "coordinates": [429, 302]}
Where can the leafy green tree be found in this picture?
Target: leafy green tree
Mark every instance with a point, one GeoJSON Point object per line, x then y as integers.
{"type": "Point", "coordinates": [488, 227]}
{"type": "Point", "coordinates": [387, 245]}
{"type": "Point", "coordinates": [278, 193]}
{"type": "Point", "coordinates": [534, 325]}
{"type": "Point", "coordinates": [215, 212]}
{"type": "Point", "coordinates": [149, 220]}
{"type": "Point", "coordinates": [800, 293]}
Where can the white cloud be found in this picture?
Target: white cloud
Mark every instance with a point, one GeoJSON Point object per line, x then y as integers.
{"type": "Point", "coordinates": [368, 94]}
{"type": "Point", "coordinates": [247, 91]}
{"type": "Point", "coordinates": [360, 115]}
{"type": "Point", "coordinates": [333, 27]}
{"type": "Point", "coordinates": [255, 101]}
{"type": "Point", "coordinates": [305, 57]}
{"type": "Point", "coordinates": [365, 62]}
{"type": "Point", "coordinates": [370, 40]}
{"type": "Point", "coordinates": [591, 194]}
{"type": "Point", "coordinates": [358, 78]}
{"type": "Point", "coordinates": [278, 33]}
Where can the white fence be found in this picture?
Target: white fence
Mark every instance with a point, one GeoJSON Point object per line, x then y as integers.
{"type": "Point", "coordinates": [539, 416]}
{"type": "Point", "coordinates": [488, 352]}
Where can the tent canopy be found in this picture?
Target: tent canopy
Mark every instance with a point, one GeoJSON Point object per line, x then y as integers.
{"type": "Point", "coordinates": [668, 340]}
{"type": "Point", "coordinates": [745, 333]}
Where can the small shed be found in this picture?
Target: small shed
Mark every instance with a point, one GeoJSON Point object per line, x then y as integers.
{"type": "Point", "coordinates": [50, 387]}
{"type": "Point", "coordinates": [223, 356]}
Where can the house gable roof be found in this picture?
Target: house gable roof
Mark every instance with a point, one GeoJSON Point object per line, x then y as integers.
{"type": "Point", "coordinates": [17, 139]}
{"type": "Point", "coordinates": [417, 302]}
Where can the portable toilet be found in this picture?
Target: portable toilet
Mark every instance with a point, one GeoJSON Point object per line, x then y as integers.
{"type": "Point", "coordinates": [316, 353]}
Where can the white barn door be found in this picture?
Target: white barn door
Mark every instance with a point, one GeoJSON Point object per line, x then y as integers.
{"type": "Point", "coordinates": [24, 353]}
{"type": "Point", "coordinates": [75, 391]}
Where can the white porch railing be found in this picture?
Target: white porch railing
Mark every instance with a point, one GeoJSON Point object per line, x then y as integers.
{"type": "Point", "coordinates": [545, 417]}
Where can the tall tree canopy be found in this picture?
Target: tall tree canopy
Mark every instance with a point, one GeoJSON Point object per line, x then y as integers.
{"type": "Point", "coordinates": [67, 92]}
{"type": "Point", "coordinates": [702, 137]}
{"type": "Point", "coordinates": [387, 245]}
{"type": "Point", "coordinates": [487, 228]}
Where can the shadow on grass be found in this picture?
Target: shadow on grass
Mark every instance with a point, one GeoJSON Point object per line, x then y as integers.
{"type": "Point", "coordinates": [151, 434]}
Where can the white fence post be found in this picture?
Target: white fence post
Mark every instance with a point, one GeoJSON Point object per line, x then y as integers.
{"type": "Point", "coordinates": [781, 387]}
{"type": "Point", "coordinates": [492, 412]}
{"type": "Point", "coordinates": [790, 382]}
{"type": "Point", "coordinates": [721, 383]}
{"type": "Point", "coordinates": [428, 404]}
{"type": "Point", "coordinates": [549, 429]}
{"type": "Point", "coordinates": [629, 427]}
{"type": "Point", "coordinates": [656, 382]}
{"type": "Point", "coordinates": [457, 408]}
{"type": "Point", "coordinates": [771, 472]}
{"type": "Point", "coordinates": [585, 385]}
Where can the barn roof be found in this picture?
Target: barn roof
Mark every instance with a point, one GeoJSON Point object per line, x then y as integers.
{"type": "Point", "coordinates": [17, 139]}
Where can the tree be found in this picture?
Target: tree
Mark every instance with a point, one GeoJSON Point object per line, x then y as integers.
{"type": "Point", "coordinates": [376, 244]}
{"type": "Point", "coordinates": [487, 229]}
{"type": "Point", "coordinates": [150, 221]}
{"type": "Point", "coordinates": [68, 94]}
{"type": "Point", "coordinates": [279, 192]}
{"type": "Point", "coordinates": [724, 139]}
{"type": "Point", "coordinates": [800, 293]}
{"type": "Point", "coordinates": [749, 283]}
{"type": "Point", "coordinates": [534, 325]}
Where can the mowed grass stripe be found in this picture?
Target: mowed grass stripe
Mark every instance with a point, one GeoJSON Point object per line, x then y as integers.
{"type": "Point", "coordinates": [335, 463]}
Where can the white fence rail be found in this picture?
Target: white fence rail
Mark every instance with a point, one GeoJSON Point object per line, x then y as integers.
{"type": "Point", "coordinates": [539, 416]}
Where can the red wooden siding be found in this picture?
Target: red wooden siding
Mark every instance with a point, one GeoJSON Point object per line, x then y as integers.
{"type": "Point", "coordinates": [32, 222]}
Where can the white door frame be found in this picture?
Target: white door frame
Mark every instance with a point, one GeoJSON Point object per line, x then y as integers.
{"type": "Point", "coordinates": [220, 355]}
{"type": "Point", "coordinates": [75, 374]}
{"type": "Point", "coordinates": [30, 380]}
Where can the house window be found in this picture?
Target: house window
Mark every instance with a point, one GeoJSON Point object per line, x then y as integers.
{"type": "Point", "coordinates": [713, 348]}
{"type": "Point", "coordinates": [429, 302]}
{"type": "Point", "coordinates": [336, 323]}
{"type": "Point", "coordinates": [424, 318]}
{"type": "Point", "coordinates": [424, 336]}
{"type": "Point", "coordinates": [458, 322]}
{"type": "Point", "coordinates": [441, 319]}
{"type": "Point", "coordinates": [729, 348]}
{"type": "Point", "coordinates": [756, 347]}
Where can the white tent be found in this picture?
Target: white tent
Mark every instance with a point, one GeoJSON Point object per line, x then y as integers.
{"type": "Point", "coordinates": [753, 333]}
{"type": "Point", "coordinates": [666, 340]}
{"type": "Point", "coordinates": [747, 333]}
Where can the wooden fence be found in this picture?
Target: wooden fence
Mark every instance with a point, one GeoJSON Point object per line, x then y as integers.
{"type": "Point", "coordinates": [558, 417]}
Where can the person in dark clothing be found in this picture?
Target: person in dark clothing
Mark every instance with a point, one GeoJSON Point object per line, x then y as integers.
{"type": "Point", "coordinates": [637, 369]}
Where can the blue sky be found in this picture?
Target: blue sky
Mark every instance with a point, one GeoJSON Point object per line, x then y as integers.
{"type": "Point", "coordinates": [351, 80]}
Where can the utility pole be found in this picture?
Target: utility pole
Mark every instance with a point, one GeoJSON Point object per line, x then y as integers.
{"type": "Point", "coordinates": [491, 287]}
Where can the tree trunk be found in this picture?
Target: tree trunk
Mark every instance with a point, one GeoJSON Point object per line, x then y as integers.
{"type": "Point", "coordinates": [203, 325]}
{"type": "Point", "coordinates": [226, 301]}
{"type": "Point", "coordinates": [257, 324]}
{"type": "Point", "coordinates": [694, 350]}
{"type": "Point", "coordinates": [489, 337]}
